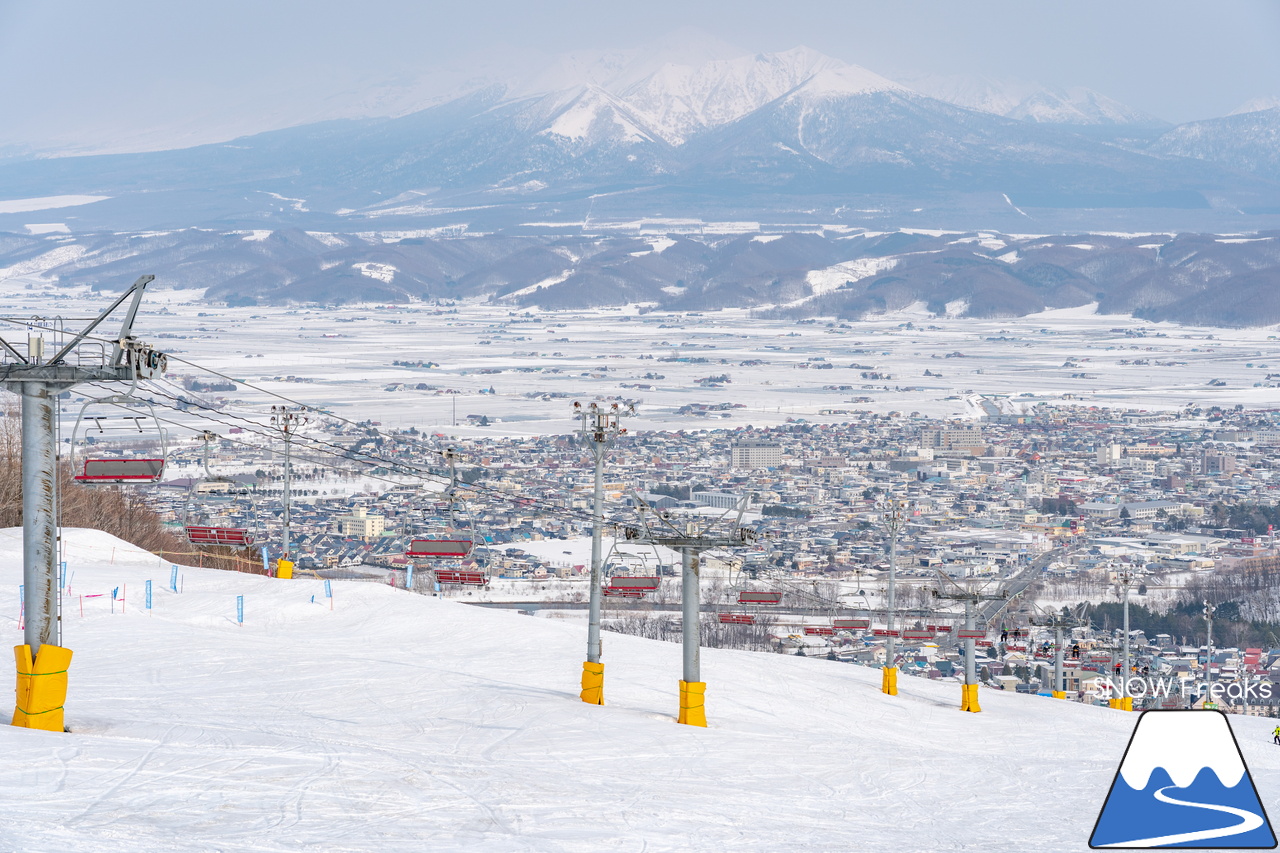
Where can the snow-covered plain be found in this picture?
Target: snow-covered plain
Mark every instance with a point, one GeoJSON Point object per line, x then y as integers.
{"type": "Point", "coordinates": [537, 362]}
{"type": "Point", "coordinates": [25, 205]}
{"type": "Point", "coordinates": [403, 722]}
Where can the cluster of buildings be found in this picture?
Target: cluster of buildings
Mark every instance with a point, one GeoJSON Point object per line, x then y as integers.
{"type": "Point", "coordinates": [1066, 494]}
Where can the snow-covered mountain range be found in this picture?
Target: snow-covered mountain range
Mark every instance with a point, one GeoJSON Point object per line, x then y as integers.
{"type": "Point", "coordinates": [681, 88]}
{"type": "Point", "coordinates": [683, 141]}
{"type": "Point", "coordinates": [670, 89]}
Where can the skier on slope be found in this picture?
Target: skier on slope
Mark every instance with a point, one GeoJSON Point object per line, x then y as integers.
{"type": "Point", "coordinates": [1275, 734]}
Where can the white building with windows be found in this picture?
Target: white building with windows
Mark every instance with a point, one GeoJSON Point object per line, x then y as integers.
{"type": "Point", "coordinates": [755, 454]}
{"type": "Point", "coordinates": [361, 524]}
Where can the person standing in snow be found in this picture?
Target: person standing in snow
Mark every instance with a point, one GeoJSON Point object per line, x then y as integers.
{"type": "Point", "coordinates": [1275, 734]}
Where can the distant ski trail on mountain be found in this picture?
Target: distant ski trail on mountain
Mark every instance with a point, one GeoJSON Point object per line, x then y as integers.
{"type": "Point", "coordinates": [1249, 821]}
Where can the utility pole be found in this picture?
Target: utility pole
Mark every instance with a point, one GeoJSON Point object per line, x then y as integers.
{"type": "Point", "coordinates": [969, 690]}
{"type": "Point", "coordinates": [39, 381]}
{"type": "Point", "coordinates": [691, 543]}
{"type": "Point", "coordinates": [288, 421]}
{"type": "Point", "coordinates": [1058, 623]}
{"type": "Point", "coordinates": [599, 428]}
{"type": "Point", "coordinates": [893, 512]}
{"type": "Point", "coordinates": [1209, 704]}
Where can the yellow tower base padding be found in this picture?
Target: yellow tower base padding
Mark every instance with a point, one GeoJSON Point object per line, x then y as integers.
{"type": "Point", "coordinates": [284, 569]}
{"type": "Point", "coordinates": [693, 712]}
{"type": "Point", "coordinates": [889, 680]}
{"type": "Point", "coordinates": [969, 698]}
{"type": "Point", "coordinates": [42, 687]}
{"type": "Point", "coordinates": [592, 683]}
{"type": "Point", "coordinates": [1058, 694]}
{"type": "Point", "coordinates": [1126, 704]}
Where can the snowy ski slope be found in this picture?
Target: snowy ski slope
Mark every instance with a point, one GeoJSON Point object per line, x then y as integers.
{"type": "Point", "coordinates": [399, 722]}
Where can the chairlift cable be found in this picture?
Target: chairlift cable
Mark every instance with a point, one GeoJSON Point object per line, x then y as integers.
{"type": "Point", "coordinates": [373, 459]}
{"type": "Point", "coordinates": [499, 494]}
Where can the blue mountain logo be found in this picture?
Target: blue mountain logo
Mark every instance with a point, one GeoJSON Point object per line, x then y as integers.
{"type": "Point", "coordinates": [1183, 783]}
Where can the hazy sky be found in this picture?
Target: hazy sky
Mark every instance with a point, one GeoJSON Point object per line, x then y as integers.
{"type": "Point", "coordinates": [70, 71]}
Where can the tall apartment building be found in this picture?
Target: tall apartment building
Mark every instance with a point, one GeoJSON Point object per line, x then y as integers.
{"type": "Point", "coordinates": [950, 438]}
{"type": "Point", "coordinates": [755, 454]}
{"type": "Point", "coordinates": [1109, 455]}
{"type": "Point", "coordinates": [1218, 463]}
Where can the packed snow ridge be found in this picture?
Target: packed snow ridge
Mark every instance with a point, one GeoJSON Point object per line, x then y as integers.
{"type": "Point", "coordinates": [403, 722]}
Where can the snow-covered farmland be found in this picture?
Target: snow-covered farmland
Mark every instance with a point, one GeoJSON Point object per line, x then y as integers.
{"type": "Point", "coordinates": [521, 370]}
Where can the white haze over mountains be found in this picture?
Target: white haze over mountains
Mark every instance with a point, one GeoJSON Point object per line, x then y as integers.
{"type": "Point", "coordinates": [669, 90]}
{"type": "Point", "coordinates": [1257, 105]}
{"type": "Point", "coordinates": [1029, 101]}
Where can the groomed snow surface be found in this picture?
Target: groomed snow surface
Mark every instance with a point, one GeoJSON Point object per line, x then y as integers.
{"type": "Point", "coordinates": [403, 722]}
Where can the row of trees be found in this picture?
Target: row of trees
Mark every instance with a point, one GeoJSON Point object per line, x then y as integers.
{"type": "Point", "coordinates": [1185, 622]}
{"type": "Point", "coordinates": [659, 625]}
{"type": "Point", "coordinates": [1253, 517]}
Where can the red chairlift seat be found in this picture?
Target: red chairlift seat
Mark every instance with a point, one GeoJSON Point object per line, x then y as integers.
{"type": "Point", "coordinates": [737, 619]}
{"type": "Point", "coordinates": [641, 583]}
{"type": "Point", "coordinates": [461, 577]}
{"type": "Point", "coordinates": [446, 549]}
{"type": "Point", "coordinates": [117, 471]}
{"type": "Point", "coordinates": [752, 597]}
{"type": "Point", "coordinates": [819, 631]}
{"type": "Point", "coordinates": [971, 634]}
{"type": "Point", "coordinates": [614, 592]}
{"type": "Point", "coordinates": [939, 629]}
{"type": "Point", "coordinates": [884, 632]}
{"type": "Point", "coordinates": [917, 635]}
{"type": "Point", "coordinates": [852, 624]}
{"type": "Point", "coordinates": [219, 536]}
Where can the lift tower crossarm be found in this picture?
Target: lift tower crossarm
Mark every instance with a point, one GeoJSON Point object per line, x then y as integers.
{"type": "Point", "coordinates": [126, 331]}
{"type": "Point", "coordinates": [13, 352]}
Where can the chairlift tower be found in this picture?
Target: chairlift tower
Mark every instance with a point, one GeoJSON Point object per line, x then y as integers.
{"type": "Point", "coordinates": [1209, 703]}
{"type": "Point", "coordinates": [39, 379]}
{"type": "Point", "coordinates": [288, 421]}
{"type": "Point", "coordinates": [893, 513]}
{"type": "Point", "coordinates": [691, 542]}
{"type": "Point", "coordinates": [206, 438]}
{"type": "Point", "coordinates": [969, 690]}
{"type": "Point", "coordinates": [1123, 701]}
{"type": "Point", "coordinates": [1059, 623]}
{"type": "Point", "coordinates": [599, 428]}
